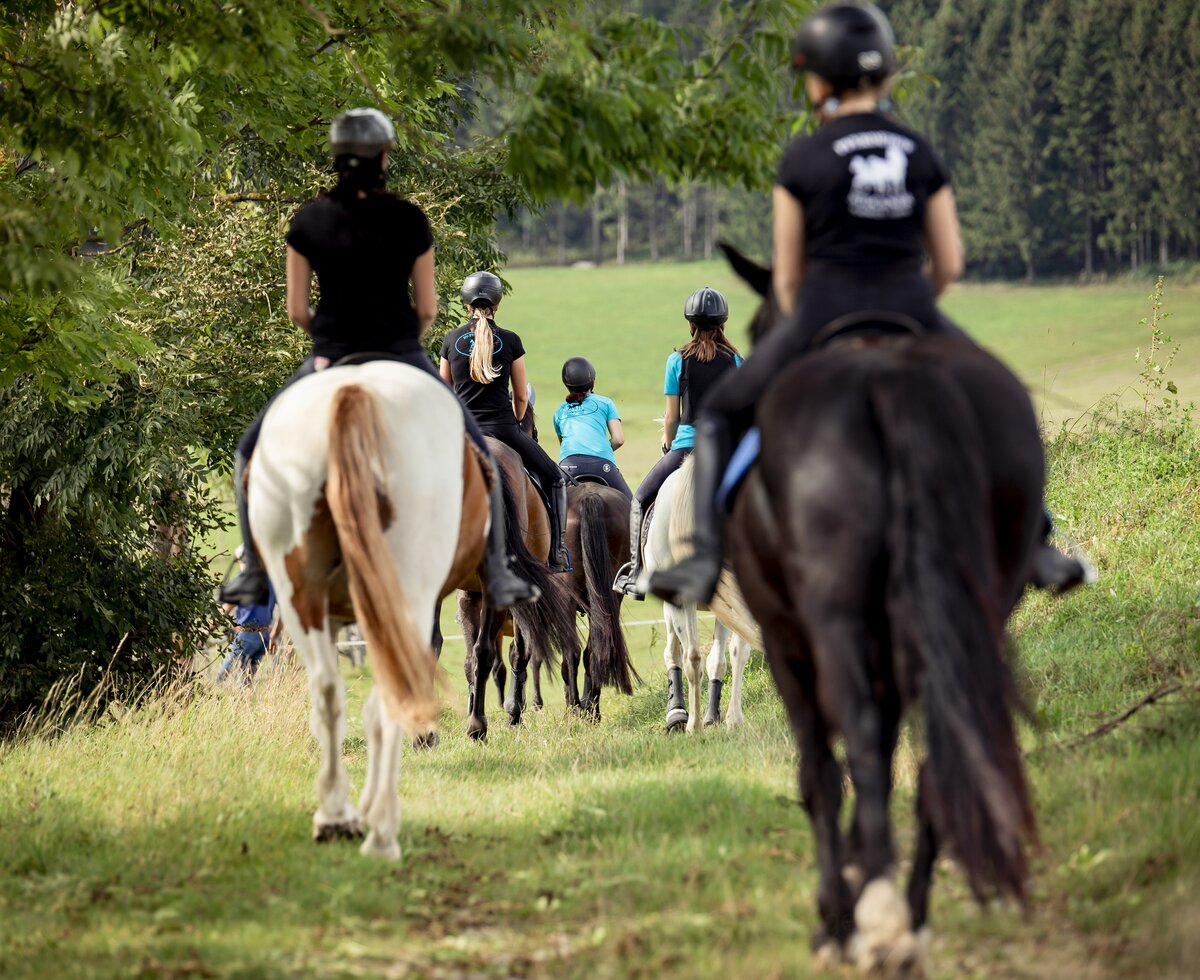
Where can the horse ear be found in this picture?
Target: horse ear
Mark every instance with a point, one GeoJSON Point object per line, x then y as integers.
{"type": "Point", "coordinates": [757, 277]}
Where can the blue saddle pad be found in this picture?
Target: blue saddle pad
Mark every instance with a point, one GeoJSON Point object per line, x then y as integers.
{"type": "Point", "coordinates": [743, 458]}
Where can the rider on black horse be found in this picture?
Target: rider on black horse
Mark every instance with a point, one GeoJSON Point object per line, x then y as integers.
{"type": "Point", "coordinates": [857, 206]}
{"type": "Point", "coordinates": [365, 245]}
{"type": "Point", "coordinates": [479, 359]}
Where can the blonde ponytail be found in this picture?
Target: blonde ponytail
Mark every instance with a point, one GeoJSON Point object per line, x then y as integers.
{"type": "Point", "coordinates": [482, 368]}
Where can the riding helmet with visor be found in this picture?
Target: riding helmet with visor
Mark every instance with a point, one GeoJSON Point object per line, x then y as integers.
{"type": "Point", "coordinates": [482, 289]}
{"type": "Point", "coordinates": [706, 309]}
{"type": "Point", "coordinates": [578, 372]}
{"type": "Point", "coordinates": [363, 133]}
{"type": "Point", "coordinates": [850, 45]}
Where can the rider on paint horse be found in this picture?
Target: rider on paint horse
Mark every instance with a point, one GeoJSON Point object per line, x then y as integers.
{"type": "Point", "coordinates": [857, 205]}
{"type": "Point", "coordinates": [479, 360]}
{"type": "Point", "coordinates": [365, 246]}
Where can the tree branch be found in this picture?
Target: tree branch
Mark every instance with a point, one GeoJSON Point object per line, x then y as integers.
{"type": "Point", "coordinates": [1160, 692]}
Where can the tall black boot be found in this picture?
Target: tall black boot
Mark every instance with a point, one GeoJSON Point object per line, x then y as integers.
{"type": "Point", "coordinates": [693, 580]}
{"type": "Point", "coordinates": [1056, 571]}
{"type": "Point", "coordinates": [560, 558]}
{"type": "Point", "coordinates": [629, 573]}
{"type": "Point", "coordinates": [250, 587]}
{"type": "Point", "coordinates": [504, 586]}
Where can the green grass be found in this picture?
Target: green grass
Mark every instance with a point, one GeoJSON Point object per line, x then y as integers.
{"type": "Point", "coordinates": [172, 840]}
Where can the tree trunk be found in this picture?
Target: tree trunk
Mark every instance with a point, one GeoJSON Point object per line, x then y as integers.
{"type": "Point", "coordinates": [597, 235]}
{"type": "Point", "coordinates": [1088, 235]}
{"type": "Point", "coordinates": [622, 221]}
{"type": "Point", "coordinates": [688, 212]}
{"type": "Point", "coordinates": [562, 234]}
{"type": "Point", "coordinates": [1163, 251]}
{"type": "Point", "coordinates": [652, 223]}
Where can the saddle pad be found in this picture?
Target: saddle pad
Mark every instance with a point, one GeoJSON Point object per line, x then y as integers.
{"type": "Point", "coordinates": [745, 456]}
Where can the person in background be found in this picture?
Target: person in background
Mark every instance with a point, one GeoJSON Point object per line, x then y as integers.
{"type": "Point", "coordinates": [588, 427]}
{"type": "Point", "coordinates": [691, 372]}
{"type": "Point", "coordinates": [252, 635]}
{"type": "Point", "coordinates": [479, 360]}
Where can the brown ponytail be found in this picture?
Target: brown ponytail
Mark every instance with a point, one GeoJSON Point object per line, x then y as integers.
{"type": "Point", "coordinates": [706, 342]}
{"type": "Point", "coordinates": [482, 368]}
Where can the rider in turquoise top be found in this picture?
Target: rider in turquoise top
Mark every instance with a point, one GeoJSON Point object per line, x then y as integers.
{"type": "Point", "coordinates": [589, 429]}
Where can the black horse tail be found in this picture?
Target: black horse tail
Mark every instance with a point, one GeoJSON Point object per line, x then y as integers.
{"type": "Point", "coordinates": [610, 655]}
{"type": "Point", "coordinates": [948, 631]}
{"type": "Point", "coordinates": [548, 624]}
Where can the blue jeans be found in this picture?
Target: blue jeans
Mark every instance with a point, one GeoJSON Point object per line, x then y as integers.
{"type": "Point", "coordinates": [245, 653]}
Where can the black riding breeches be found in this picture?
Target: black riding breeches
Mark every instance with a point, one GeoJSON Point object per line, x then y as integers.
{"type": "Point", "coordinates": [652, 482]}
{"type": "Point", "coordinates": [736, 393]}
{"type": "Point", "coordinates": [417, 359]}
{"type": "Point", "coordinates": [594, 469]}
{"type": "Point", "coordinates": [533, 456]}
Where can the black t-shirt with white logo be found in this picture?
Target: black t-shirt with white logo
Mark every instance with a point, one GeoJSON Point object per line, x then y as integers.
{"type": "Point", "coordinates": [362, 250]}
{"type": "Point", "coordinates": [864, 181]}
{"type": "Point", "coordinates": [489, 403]}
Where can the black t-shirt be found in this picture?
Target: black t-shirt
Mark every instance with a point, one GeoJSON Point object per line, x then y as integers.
{"type": "Point", "coordinates": [864, 181]}
{"type": "Point", "coordinates": [362, 250]}
{"type": "Point", "coordinates": [489, 403]}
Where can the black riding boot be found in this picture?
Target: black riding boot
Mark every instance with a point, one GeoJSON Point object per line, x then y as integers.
{"type": "Point", "coordinates": [629, 573]}
{"type": "Point", "coordinates": [250, 586]}
{"type": "Point", "coordinates": [560, 559]}
{"type": "Point", "coordinates": [1058, 572]}
{"type": "Point", "coordinates": [505, 587]}
{"type": "Point", "coordinates": [694, 579]}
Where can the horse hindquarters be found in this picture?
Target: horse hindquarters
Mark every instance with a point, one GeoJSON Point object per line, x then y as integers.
{"type": "Point", "coordinates": [947, 608]}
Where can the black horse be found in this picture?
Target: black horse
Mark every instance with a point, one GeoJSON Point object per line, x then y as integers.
{"type": "Point", "coordinates": [881, 541]}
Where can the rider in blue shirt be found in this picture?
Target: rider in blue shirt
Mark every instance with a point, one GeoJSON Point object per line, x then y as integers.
{"type": "Point", "coordinates": [588, 427]}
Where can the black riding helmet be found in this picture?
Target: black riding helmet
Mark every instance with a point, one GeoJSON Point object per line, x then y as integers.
{"type": "Point", "coordinates": [706, 309]}
{"type": "Point", "coordinates": [361, 133]}
{"type": "Point", "coordinates": [482, 289]}
{"type": "Point", "coordinates": [578, 372]}
{"type": "Point", "coordinates": [849, 45]}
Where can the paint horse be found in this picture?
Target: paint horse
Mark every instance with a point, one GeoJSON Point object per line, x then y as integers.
{"type": "Point", "coordinates": [667, 537]}
{"type": "Point", "coordinates": [882, 540]}
{"type": "Point", "coordinates": [367, 503]}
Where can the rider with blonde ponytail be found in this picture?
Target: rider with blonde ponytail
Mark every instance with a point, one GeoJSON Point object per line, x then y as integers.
{"type": "Point", "coordinates": [480, 360]}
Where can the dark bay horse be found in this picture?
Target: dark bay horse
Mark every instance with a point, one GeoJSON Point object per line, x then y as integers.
{"type": "Point", "coordinates": [882, 540]}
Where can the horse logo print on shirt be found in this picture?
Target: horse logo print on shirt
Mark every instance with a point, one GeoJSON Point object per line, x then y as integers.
{"type": "Point", "coordinates": [879, 188]}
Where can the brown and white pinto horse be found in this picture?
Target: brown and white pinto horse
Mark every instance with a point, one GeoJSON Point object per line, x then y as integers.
{"type": "Point", "coordinates": [366, 503]}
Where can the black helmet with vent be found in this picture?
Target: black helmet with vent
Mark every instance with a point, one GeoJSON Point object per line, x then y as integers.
{"type": "Point", "coordinates": [706, 309]}
{"type": "Point", "coordinates": [482, 289]}
{"type": "Point", "coordinates": [849, 45]}
{"type": "Point", "coordinates": [578, 372]}
{"type": "Point", "coordinates": [361, 133]}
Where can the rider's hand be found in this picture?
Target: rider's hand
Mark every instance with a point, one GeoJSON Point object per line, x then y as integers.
{"type": "Point", "coordinates": [665, 449]}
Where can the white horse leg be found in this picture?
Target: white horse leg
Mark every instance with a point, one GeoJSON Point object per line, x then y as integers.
{"type": "Point", "coordinates": [716, 674]}
{"type": "Point", "coordinates": [373, 730]}
{"type": "Point", "coordinates": [335, 817]}
{"type": "Point", "coordinates": [692, 664]}
{"type": "Point", "coordinates": [883, 943]}
{"type": "Point", "coordinates": [383, 817]}
{"type": "Point", "coordinates": [677, 716]}
{"type": "Point", "coordinates": [739, 654]}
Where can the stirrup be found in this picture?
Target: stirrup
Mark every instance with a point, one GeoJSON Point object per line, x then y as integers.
{"type": "Point", "coordinates": [626, 582]}
{"type": "Point", "coordinates": [507, 589]}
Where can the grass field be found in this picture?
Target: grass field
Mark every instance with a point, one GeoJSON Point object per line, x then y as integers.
{"type": "Point", "coordinates": [172, 840]}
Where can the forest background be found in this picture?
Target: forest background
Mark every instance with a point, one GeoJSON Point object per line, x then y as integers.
{"type": "Point", "coordinates": [151, 154]}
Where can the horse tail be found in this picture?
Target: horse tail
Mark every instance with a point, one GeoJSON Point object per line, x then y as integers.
{"type": "Point", "coordinates": [401, 662]}
{"type": "Point", "coordinates": [948, 630]}
{"type": "Point", "coordinates": [548, 624]}
{"type": "Point", "coordinates": [611, 663]}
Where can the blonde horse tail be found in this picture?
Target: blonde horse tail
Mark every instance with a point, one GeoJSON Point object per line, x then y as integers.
{"type": "Point", "coordinates": [401, 662]}
{"type": "Point", "coordinates": [728, 604]}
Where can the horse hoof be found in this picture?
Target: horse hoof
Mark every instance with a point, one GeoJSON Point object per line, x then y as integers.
{"type": "Point", "coordinates": [710, 720]}
{"type": "Point", "coordinates": [375, 846]}
{"type": "Point", "coordinates": [477, 729]}
{"type": "Point", "coordinates": [677, 719]}
{"type": "Point", "coordinates": [429, 740]}
{"type": "Point", "coordinates": [326, 833]}
{"type": "Point", "coordinates": [537, 704]}
{"type": "Point", "coordinates": [827, 954]}
{"type": "Point", "coordinates": [514, 718]}
{"type": "Point", "coordinates": [883, 944]}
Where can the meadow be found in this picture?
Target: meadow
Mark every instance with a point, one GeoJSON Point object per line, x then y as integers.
{"type": "Point", "coordinates": [171, 839]}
